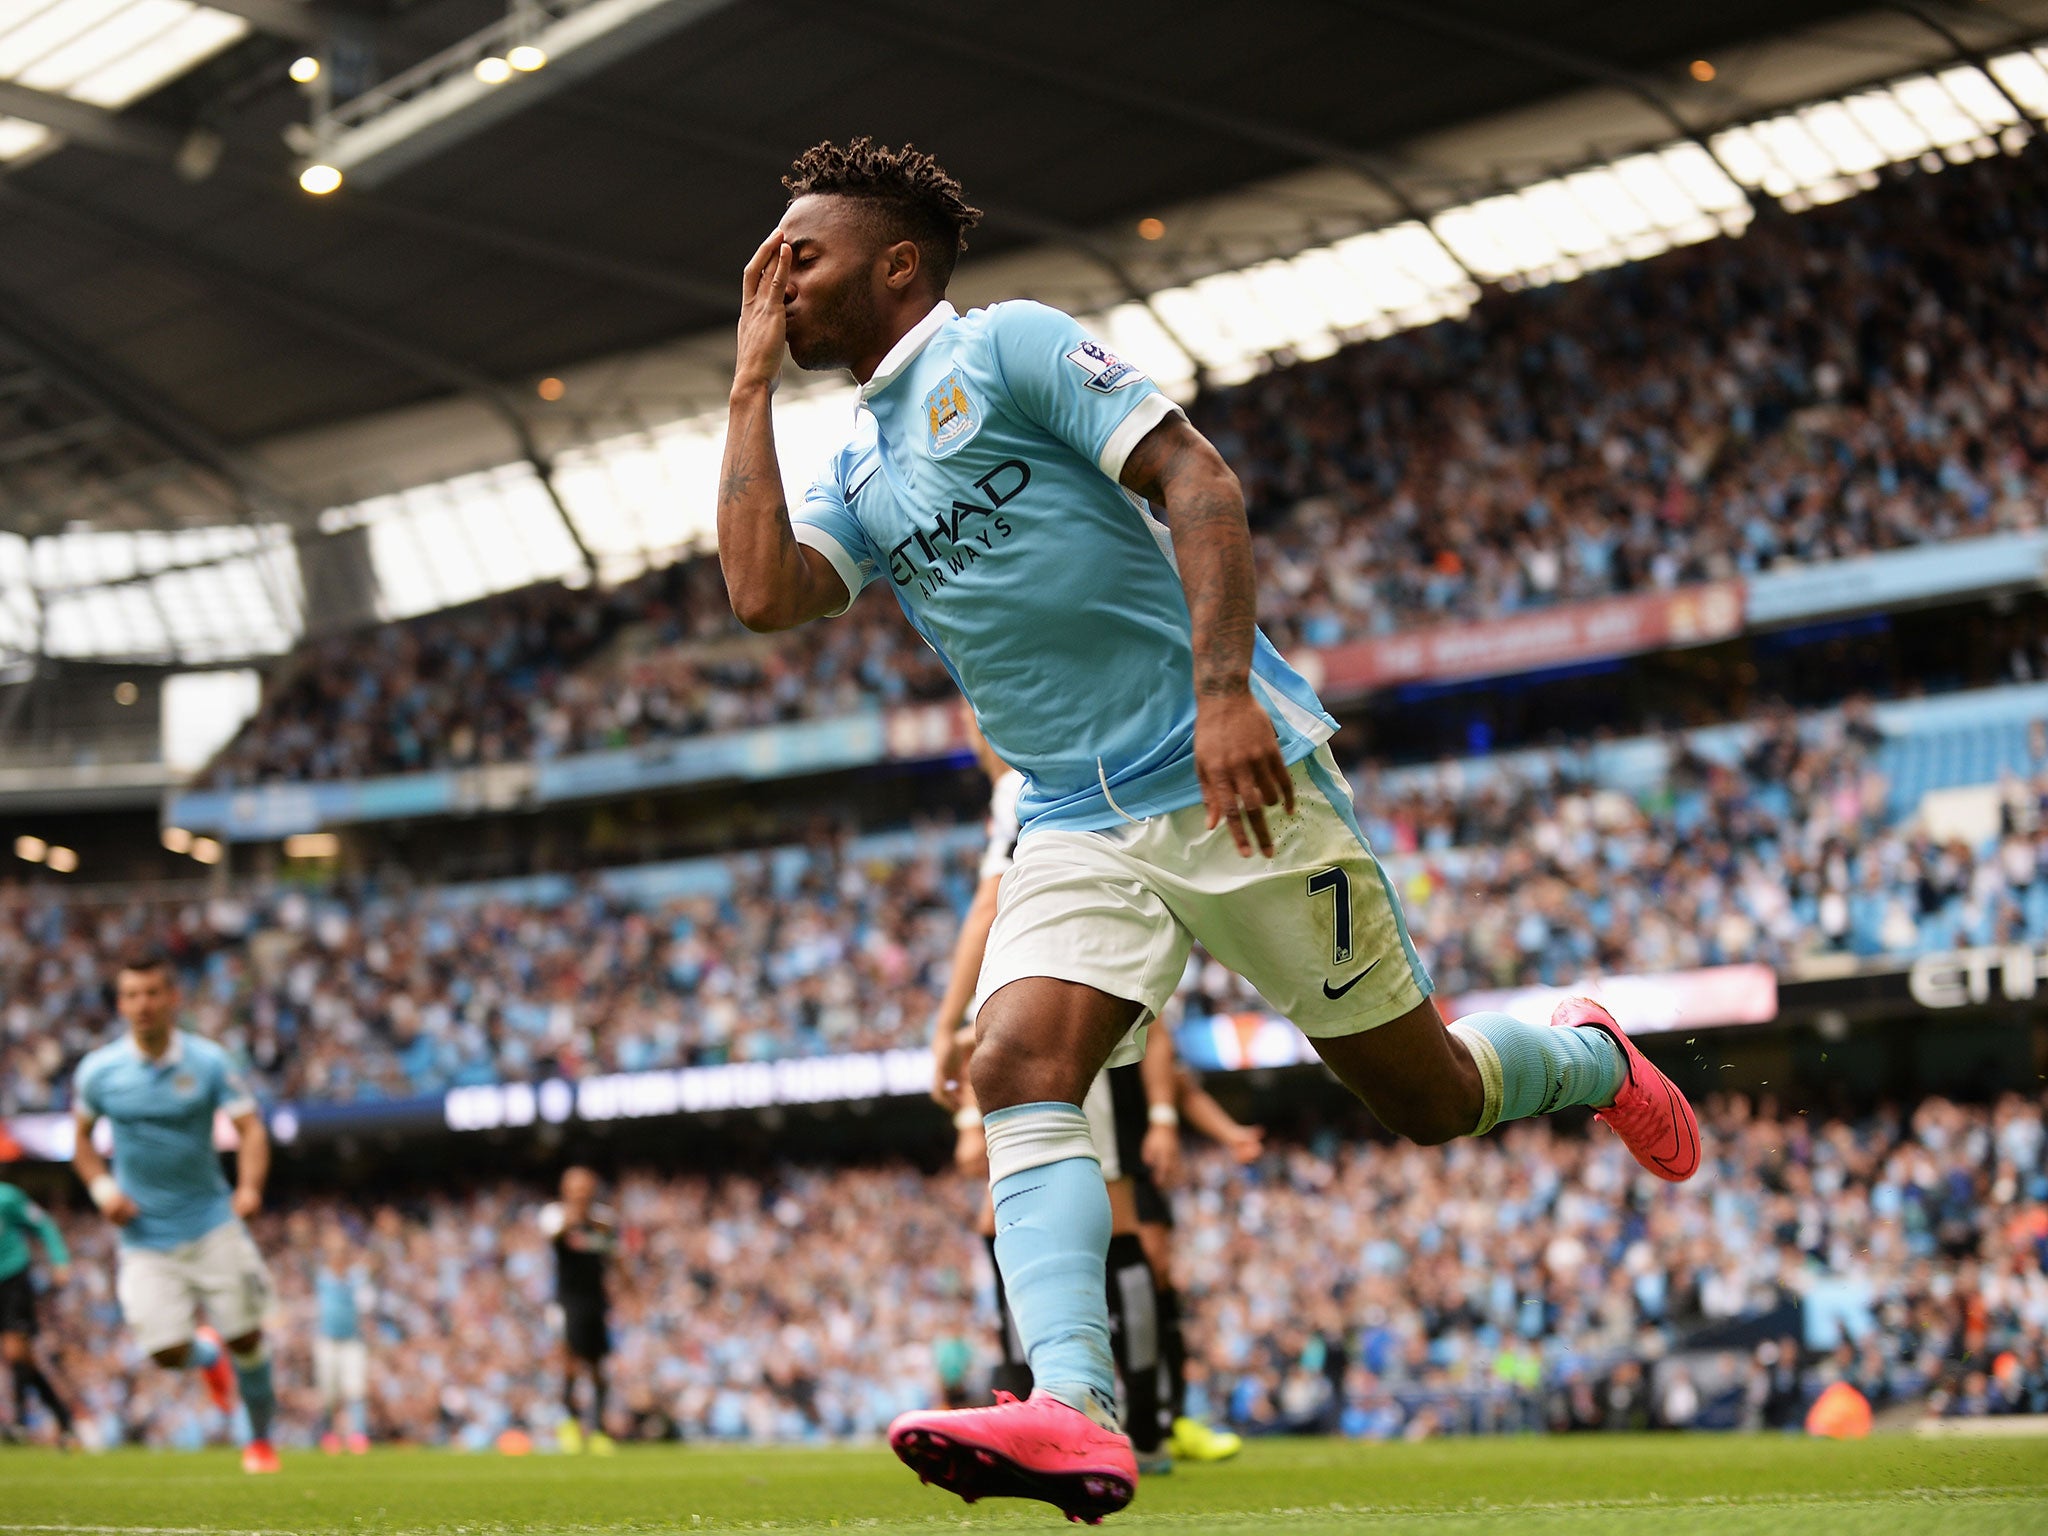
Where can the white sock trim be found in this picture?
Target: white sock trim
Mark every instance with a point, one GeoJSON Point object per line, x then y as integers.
{"type": "Point", "coordinates": [1034, 1135]}
{"type": "Point", "coordinates": [1492, 1083]}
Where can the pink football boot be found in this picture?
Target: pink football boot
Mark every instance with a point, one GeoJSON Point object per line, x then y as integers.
{"type": "Point", "coordinates": [1038, 1448]}
{"type": "Point", "coordinates": [1649, 1114]}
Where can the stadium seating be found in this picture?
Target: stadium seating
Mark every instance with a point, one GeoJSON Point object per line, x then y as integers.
{"type": "Point", "coordinates": [1786, 838]}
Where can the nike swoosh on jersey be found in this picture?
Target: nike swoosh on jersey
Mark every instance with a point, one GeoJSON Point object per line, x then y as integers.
{"type": "Point", "coordinates": [864, 482]}
{"type": "Point", "coordinates": [1333, 993]}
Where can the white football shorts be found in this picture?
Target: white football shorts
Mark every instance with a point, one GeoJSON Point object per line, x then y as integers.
{"type": "Point", "coordinates": [1316, 929]}
{"type": "Point", "coordinates": [341, 1370]}
{"type": "Point", "coordinates": [162, 1291]}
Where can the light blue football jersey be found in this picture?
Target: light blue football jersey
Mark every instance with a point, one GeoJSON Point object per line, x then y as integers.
{"type": "Point", "coordinates": [981, 484]}
{"type": "Point", "coordinates": [336, 1297]}
{"type": "Point", "coordinates": [162, 1114]}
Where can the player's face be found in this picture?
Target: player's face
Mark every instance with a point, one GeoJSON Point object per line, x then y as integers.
{"type": "Point", "coordinates": [832, 305]}
{"type": "Point", "coordinates": [579, 1187]}
{"type": "Point", "coordinates": [146, 1000]}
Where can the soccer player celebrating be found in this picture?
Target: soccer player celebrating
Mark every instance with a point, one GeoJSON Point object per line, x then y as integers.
{"type": "Point", "coordinates": [183, 1248]}
{"type": "Point", "coordinates": [1178, 782]}
{"type": "Point", "coordinates": [341, 1360]}
{"type": "Point", "coordinates": [585, 1236]}
{"type": "Point", "coordinates": [20, 1219]}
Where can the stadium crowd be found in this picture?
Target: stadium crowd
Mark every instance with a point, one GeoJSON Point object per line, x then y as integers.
{"type": "Point", "coordinates": [1862, 377]}
{"type": "Point", "coordinates": [1791, 849]}
{"type": "Point", "coordinates": [1533, 1278]}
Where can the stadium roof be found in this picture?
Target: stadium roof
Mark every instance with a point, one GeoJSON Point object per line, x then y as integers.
{"type": "Point", "coordinates": [187, 339]}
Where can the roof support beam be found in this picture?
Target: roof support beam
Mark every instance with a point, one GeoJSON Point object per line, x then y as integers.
{"type": "Point", "coordinates": [1232, 125]}
{"type": "Point", "coordinates": [311, 315]}
{"type": "Point", "coordinates": [86, 124]}
{"type": "Point", "coordinates": [110, 389]}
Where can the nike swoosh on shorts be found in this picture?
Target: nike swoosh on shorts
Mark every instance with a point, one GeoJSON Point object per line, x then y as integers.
{"type": "Point", "coordinates": [1333, 993]}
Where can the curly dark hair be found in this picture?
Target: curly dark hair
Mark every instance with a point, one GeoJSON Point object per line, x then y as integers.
{"type": "Point", "coordinates": [912, 193]}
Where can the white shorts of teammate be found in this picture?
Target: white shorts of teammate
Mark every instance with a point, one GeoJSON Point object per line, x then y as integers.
{"type": "Point", "coordinates": [1316, 928]}
{"type": "Point", "coordinates": [162, 1291]}
{"type": "Point", "coordinates": [341, 1370]}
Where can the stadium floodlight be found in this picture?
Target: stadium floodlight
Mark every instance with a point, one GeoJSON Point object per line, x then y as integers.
{"type": "Point", "coordinates": [63, 860]}
{"type": "Point", "coordinates": [320, 179]}
{"type": "Point", "coordinates": [305, 69]}
{"type": "Point", "coordinates": [32, 850]}
{"type": "Point", "coordinates": [176, 839]}
{"type": "Point", "coordinates": [467, 87]}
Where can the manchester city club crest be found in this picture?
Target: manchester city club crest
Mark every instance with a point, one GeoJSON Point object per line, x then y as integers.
{"type": "Point", "coordinates": [951, 415]}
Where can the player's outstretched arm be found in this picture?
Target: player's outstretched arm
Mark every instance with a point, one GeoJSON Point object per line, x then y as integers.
{"type": "Point", "coordinates": [252, 1163]}
{"type": "Point", "coordinates": [1237, 754]}
{"type": "Point", "coordinates": [1243, 1142]}
{"type": "Point", "coordinates": [93, 1172]}
{"type": "Point", "coordinates": [774, 582]}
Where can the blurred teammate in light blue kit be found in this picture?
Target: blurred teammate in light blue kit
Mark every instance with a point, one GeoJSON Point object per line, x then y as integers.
{"type": "Point", "coordinates": [183, 1247]}
{"type": "Point", "coordinates": [341, 1359]}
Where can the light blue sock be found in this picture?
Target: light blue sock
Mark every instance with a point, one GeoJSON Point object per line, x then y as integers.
{"type": "Point", "coordinates": [1052, 1242]}
{"type": "Point", "coordinates": [1532, 1069]}
{"type": "Point", "coordinates": [259, 1395]}
{"type": "Point", "coordinates": [358, 1417]}
{"type": "Point", "coordinates": [201, 1353]}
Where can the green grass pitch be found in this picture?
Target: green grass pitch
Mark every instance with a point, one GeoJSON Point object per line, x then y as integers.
{"type": "Point", "coordinates": [1584, 1486]}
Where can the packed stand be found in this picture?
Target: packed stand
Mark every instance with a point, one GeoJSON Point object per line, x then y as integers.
{"type": "Point", "coordinates": [1534, 1279]}
{"type": "Point", "coordinates": [550, 671]}
{"type": "Point", "coordinates": [332, 999]}
{"type": "Point", "coordinates": [1863, 377]}
{"type": "Point", "coordinates": [1796, 848]}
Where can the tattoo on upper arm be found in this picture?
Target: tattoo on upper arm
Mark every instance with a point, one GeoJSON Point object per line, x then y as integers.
{"type": "Point", "coordinates": [1161, 456]}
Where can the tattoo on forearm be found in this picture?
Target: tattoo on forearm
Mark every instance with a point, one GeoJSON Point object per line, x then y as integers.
{"type": "Point", "coordinates": [1206, 511]}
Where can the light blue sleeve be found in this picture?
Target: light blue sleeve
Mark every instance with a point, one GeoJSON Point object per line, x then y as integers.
{"type": "Point", "coordinates": [822, 521]}
{"type": "Point", "coordinates": [1069, 384]}
{"type": "Point", "coordinates": [82, 1085]}
{"type": "Point", "coordinates": [231, 1090]}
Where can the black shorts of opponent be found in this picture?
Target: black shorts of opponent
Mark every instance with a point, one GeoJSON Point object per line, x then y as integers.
{"type": "Point", "coordinates": [18, 1305]}
{"type": "Point", "coordinates": [586, 1329]}
{"type": "Point", "coordinates": [1127, 1100]}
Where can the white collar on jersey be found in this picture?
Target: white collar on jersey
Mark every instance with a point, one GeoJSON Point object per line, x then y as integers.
{"type": "Point", "coordinates": [173, 1053]}
{"type": "Point", "coordinates": [908, 345]}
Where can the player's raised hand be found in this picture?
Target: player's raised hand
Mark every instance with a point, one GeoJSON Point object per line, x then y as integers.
{"type": "Point", "coordinates": [763, 334]}
{"type": "Point", "coordinates": [1238, 764]}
